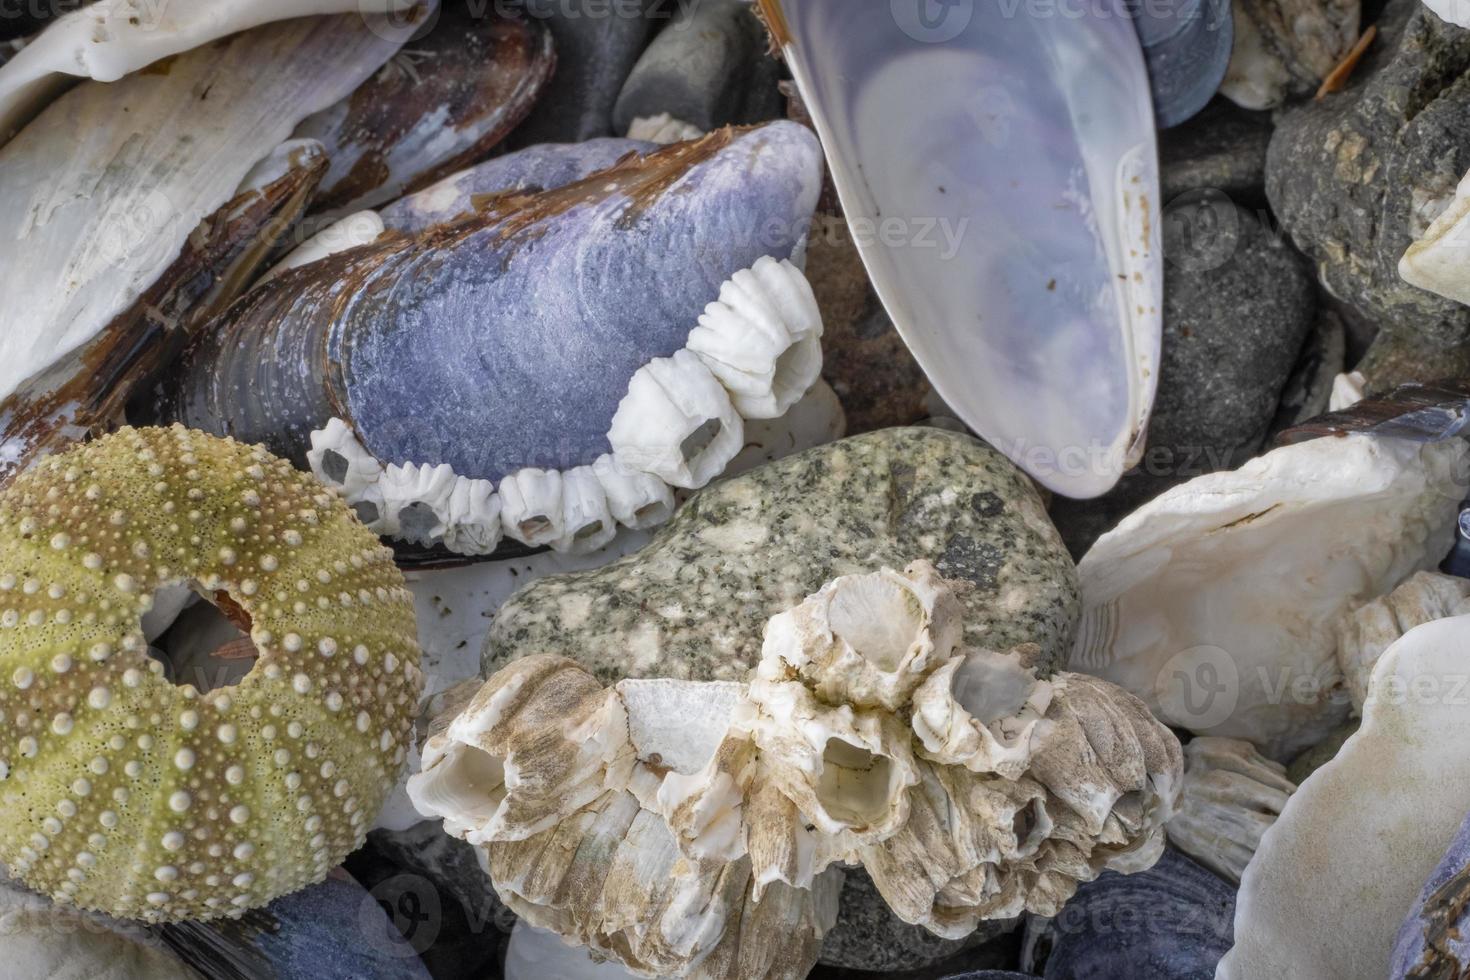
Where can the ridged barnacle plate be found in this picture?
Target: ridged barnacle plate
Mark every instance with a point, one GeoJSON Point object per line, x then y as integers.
{"type": "Point", "coordinates": [125, 793]}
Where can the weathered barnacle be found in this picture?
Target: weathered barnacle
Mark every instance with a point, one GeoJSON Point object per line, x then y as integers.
{"type": "Point", "coordinates": [982, 711]}
{"type": "Point", "coordinates": [682, 827]}
{"type": "Point", "coordinates": [677, 422]}
{"type": "Point", "coordinates": [868, 640]}
{"type": "Point", "coordinates": [762, 338]}
{"type": "Point", "coordinates": [123, 792]}
{"type": "Point", "coordinates": [1365, 632]}
{"type": "Point", "coordinates": [1232, 795]}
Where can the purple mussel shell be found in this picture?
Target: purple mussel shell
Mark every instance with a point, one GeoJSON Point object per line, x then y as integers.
{"type": "Point", "coordinates": [1172, 922]}
{"type": "Point", "coordinates": [1434, 941]}
{"type": "Point", "coordinates": [528, 171]}
{"type": "Point", "coordinates": [506, 340]}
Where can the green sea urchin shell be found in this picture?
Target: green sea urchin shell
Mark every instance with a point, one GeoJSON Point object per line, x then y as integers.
{"type": "Point", "coordinates": [125, 793]}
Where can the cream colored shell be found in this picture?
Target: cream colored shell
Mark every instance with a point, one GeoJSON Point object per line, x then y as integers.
{"type": "Point", "coordinates": [695, 829]}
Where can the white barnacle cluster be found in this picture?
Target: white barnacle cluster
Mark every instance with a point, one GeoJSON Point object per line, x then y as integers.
{"type": "Point", "coordinates": [755, 352]}
{"type": "Point", "coordinates": [696, 829]}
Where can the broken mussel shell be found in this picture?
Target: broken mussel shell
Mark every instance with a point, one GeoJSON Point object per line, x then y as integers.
{"type": "Point", "coordinates": [111, 38]}
{"type": "Point", "coordinates": [1000, 172]}
{"type": "Point", "coordinates": [108, 276]}
{"type": "Point", "coordinates": [1423, 412]}
{"type": "Point", "coordinates": [545, 368]}
{"type": "Point", "coordinates": [1186, 45]}
{"type": "Point", "coordinates": [441, 104]}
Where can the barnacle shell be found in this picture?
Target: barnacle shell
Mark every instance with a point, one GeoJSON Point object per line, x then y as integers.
{"type": "Point", "coordinates": [637, 499]}
{"type": "Point", "coordinates": [1214, 598]}
{"type": "Point", "coordinates": [1365, 632]}
{"type": "Point", "coordinates": [677, 422]}
{"type": "Point", "coordinates": [587, 523]}
{"type": "Point", "coordinates": [982, 711]}
{"type": "Point", "coordinates": [662, 128]}
{"type": "Point", "coordinates": [1319, 901]}
{"type": "Point", "coordinates": [1231, 797]}
{"type": "Point", "coordinates": [127, 794]}
{"type": "Point", "coordinates": [531, 506]}
{"type": "Point", "coordinates": [679, 825]}
{"type": "Point", "coordinates": [761, 338]}
{"type": "Point", "coordinates": [868, 640]}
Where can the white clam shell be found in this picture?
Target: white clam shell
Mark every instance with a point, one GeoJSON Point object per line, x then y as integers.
{"type": "Point", "coordinates": [1215, 602]}
{"type": "Point", "coordinates": [1333, 877]}
{"type": "Point", "coordinates": [112, 38]}
{"type": "Point", "coordinates": [999, 172]}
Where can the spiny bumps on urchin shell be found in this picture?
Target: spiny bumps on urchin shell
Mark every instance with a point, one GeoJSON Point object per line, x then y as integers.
{"type": "Point", "coordinates": [123, 792]}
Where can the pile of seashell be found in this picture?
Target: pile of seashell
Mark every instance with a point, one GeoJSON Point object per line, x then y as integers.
{"type": "Point", "coordinates": [432, 545]}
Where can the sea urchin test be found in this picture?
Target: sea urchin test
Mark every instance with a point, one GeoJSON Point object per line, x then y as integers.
{"type": "Point", "coordinates": [124, 792]}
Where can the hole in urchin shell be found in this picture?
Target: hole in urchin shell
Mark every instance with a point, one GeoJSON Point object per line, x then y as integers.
{"type": "Point", "coordinates": [854, 783]}
{"type": "Point", "coordinates": [208, 645]}
{"type": "Point", "coordinates": [696, 442]}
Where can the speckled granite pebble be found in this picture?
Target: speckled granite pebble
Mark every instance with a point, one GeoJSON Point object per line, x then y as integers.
{"type": "Point", "coordinates": [693, 604]}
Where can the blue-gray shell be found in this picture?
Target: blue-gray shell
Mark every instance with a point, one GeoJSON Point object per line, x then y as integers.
{"type": "Point", "coordinates": [1174, 921]}
{"type": "Point", "coordinates": [536, 168]}
{"type": "Point", "coordinates": [1434, 940]}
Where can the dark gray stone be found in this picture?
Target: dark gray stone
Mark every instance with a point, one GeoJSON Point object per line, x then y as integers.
{"type": "Point", "coordinates": [709, 68]}
{"type": "Point", "coordinates": [1172, 922]}
{"type": "Point", "coordinates": [597, 44]}
{"type": "Point", "coordinates": [1221, 149]}
{"type": "Point", "coordinates": [1359, 175]}
{"type": "Point", "coordinates": [1309, 390]}
{"type": "Point", "coordinates": [433, 889]}
{"type": "Point", "coordinates": [1238, 305]}
{"type": "Point", "coordinates": [1186, 46]}
{"type": "Point", "coordinates": [868, 936]}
